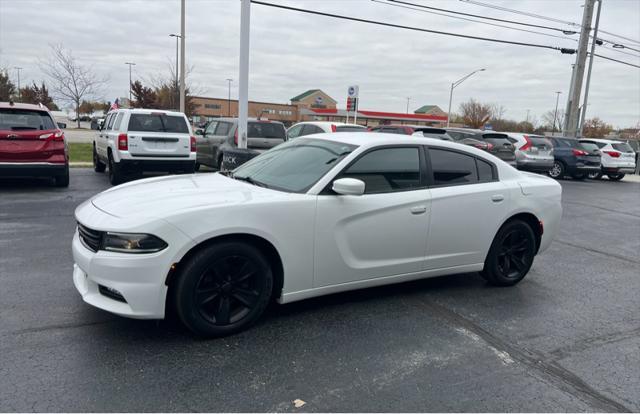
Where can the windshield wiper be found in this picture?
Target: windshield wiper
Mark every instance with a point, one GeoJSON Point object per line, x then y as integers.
{"type": "Point", "coordinates": [249, 180]}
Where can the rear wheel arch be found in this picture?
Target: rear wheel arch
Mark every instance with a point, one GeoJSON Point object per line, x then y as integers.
{"type": "Point", "coordinates": [532, 220]}
{"type": "Point", "coordinates": [262, 244]}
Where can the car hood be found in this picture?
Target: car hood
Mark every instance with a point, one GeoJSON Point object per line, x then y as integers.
{"type": "Point", "coordinates": [163, 196]}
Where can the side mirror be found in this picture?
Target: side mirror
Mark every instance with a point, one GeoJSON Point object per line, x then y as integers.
{"type": "Point", "coordinates": [348, 186]}
{"type": "Point", "coordinates": [61, 125]}
{"type": "Point", "coordinates": [199, 132]}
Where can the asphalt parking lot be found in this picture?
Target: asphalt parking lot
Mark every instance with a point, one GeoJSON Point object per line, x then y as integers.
{"type": "Point", "coordinates": [565, 339]}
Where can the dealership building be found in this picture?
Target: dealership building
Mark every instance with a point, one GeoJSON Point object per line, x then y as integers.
{"type": "Point", "coordinates": [314, 105]}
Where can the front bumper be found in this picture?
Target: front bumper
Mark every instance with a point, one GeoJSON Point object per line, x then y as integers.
{"type": "Point", "coordinates": [32, 169]}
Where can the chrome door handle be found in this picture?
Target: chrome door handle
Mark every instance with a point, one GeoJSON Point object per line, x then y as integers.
{"type": "Point", "coordinates": [418, 209]}
{"type": "Point", "coordinates": [496, 198]}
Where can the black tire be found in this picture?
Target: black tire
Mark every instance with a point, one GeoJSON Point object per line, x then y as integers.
{"type": "Point", "coordinates": [223, 289]}
{"type": "Point", "coordinates": [594, 175]}
{"type": "Point", "coordinates": [98, 166]}
{"type": "Point", "coordinates": [196, 167]}
{"type": "Point", "coordinates": [115, 175]}
{"type": "Point", "coordinates": [578, 176]}
{"type": "Point", "coordinates": [511, 254]}
{"type": "Point", "coordinates": [219, 165]}
{"type": "Point", "coordinates": [615, 177]}
{"type": "Point", "coordinates": [557, 171]}
{"type": "Point", "coordinates": [62, 180]}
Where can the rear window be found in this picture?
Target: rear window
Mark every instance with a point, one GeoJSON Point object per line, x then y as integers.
{"type": "Point", "coordinates": [590, 146]}
{"type": "Point", "coordinates": [496, 139]}
{"type": "Point", "coordinates": [622, 147]}
{"type": "Point", "coordinates": [266, 130]}
{"type": "Point", "coordinates": [571, 143]}
{"type": "Point", "coordinates": [158, 123]}
{"type": "Point", "coordinates": [540, 142]}
{"type": "Point", "coordinates": [347, 128]}
{"type": "Point", "coordinates": [25, 120]}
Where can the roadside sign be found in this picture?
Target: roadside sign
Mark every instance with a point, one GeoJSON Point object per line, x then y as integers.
{"type": "Point", "coordinates": [352, 92]}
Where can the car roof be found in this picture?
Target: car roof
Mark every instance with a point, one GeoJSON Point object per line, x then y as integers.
{"type": "Point", "coordinates": [17, 105]}
{"type": "Point", "coordinates": [235, 120]}
{"type": "Point", "coordinates": [147, 111]}
{"type": "Point", "coordinates": [602, 140]}
{"type": "Point", "coordinates": [367, 139]}
{"type": "Point", "coordinates": [328, 123]}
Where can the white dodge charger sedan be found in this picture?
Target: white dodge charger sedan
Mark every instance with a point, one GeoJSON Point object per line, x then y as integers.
{"type": "Point", "coordinates": [316, 215]}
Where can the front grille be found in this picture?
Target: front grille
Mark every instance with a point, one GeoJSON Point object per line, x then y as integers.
{"type": "Point", "coordinates": [92, 239]}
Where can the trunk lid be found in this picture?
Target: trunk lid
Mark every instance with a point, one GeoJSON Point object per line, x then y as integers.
{"type": "Point", "coordinates": [158, 134]}
{"type": "Point", "coordinates": [28, 135]}
{"type": "Point", "coordinates": [264, 135]}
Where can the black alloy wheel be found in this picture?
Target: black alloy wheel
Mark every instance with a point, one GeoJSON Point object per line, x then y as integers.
{"type": "Point", "coordinates": [223, 289]}
{"type": "Point", "coordinates": [511, 254]}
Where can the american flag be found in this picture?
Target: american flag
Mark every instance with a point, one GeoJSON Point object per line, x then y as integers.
{"type": "Point", "coordinates": [115, 105]}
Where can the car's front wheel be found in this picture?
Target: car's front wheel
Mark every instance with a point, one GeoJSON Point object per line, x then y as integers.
{"type": "Point", "coordinates": [511, 254]}
{"type": "Point", "coordinates": [557, 171]}
{"type": "Point", "coordinates": [223, 289]}
{"type": "Point", "coordinates": [615, 177]}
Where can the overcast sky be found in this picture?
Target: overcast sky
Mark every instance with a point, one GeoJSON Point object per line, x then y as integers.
{"type": "Point", "coordinates": [293, 52]}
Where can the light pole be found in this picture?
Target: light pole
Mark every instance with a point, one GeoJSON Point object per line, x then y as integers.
{"type": "Point", "coordinates": [408, 99]}
{"type": "Point", "coordinates": [18, 69]}
{"type": "Point", "coordinates": [130, 64]}
{"type": "Point", "coordinates": [177, 36]}
{"type": "Point", "coordinates": [229, 80]}
{"type": "Point", "coordinates": [555, 113]}
{"type": "Point", "coordinates": [456, 83]}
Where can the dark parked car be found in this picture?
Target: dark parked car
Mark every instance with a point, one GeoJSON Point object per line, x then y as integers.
{"type": "Point", "coordinates": [222, 134]}
{"type": "Point", "coordinates": [429, 132]}
{"type": "Point", "coordinates": [31, 144]}
{"type": "Point", "coordinates": [572, 158]}
{"type": "Point", "coordinates": [495, 143]}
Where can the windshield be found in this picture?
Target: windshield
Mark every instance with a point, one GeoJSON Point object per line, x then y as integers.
{"type": "Point", "coordinates": [347, 128]}
{"type": "Point", "coordinates": [294, 166]}
{"type": "Point", "coordinates": [25, 120]}
{"type": "Point", "coordinates": [158, 122]}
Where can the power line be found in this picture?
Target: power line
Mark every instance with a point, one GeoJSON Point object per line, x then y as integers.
{"type": "Point", "coordinates": [356, 19]}
{"type": "Point", "coordinates": [470, 20]}
{"type": "Point", "coordinates": [616, 60]}
{"type": "Point", "coordinates": [539, 16]}
{"type": "Point", "coordinates": [485, 17]}
{"type": "Point", "coordinates": [614, 49]}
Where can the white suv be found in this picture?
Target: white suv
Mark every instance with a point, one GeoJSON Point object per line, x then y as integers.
{"type": "Point", "coordinates": [307, 128]}
{"type": "Point", "coordinates": [617, 158]}
{"type": "Point", "coordinates": [138, 140]}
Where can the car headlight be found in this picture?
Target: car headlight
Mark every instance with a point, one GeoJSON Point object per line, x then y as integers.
{"type": "Point", "coordinates": [132, 243]}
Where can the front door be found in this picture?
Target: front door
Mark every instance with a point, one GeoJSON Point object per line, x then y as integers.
{"type": "Point", "coordinates": [380, 233]}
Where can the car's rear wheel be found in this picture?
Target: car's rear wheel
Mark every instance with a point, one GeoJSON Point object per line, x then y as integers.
{"type": "Point", "coordinates": [115, 175]}
{"type": "Point", "coordinates": [596, 175]}
{"type": "Point", "coordinates": [223, 289]}
{"type": "Point", "coordinates": [578, 176]}
{"type": "Point", "coordinates": [63, 180]}
{"type": "Point", "coordinates": [196, 167]}
{"type": "Point", "coordinates": [511, 254]}
{"type": "Point", "coordinates": [98, 166]}
{"type": "Point", "coordinates": [557, 171]}
{"type": "Point", "coordinates": [615, 177]}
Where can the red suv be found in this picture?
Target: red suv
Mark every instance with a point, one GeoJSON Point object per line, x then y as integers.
{"type": "Point", "coordinates": [31, 144]}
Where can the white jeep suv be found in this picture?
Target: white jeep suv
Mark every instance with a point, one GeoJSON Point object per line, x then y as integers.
{"type": "Point", "coordinates": [138, 140]}
{"type": "Point", "coordinates": [617, 158]}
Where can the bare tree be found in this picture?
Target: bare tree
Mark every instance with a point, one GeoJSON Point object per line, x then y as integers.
{"type": "Point", "coordinates": [71, 81]}
{"type": "Point", "coordinates": [549, 117]}
{"type": "Point", "coordinates": [497, 112]}
{"type": "Point", "coordinates": [475, 114]}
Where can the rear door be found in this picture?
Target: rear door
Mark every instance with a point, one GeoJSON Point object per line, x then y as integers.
{"type": "Point", "coordinates": [203, 149]}
{"type": "Point", "coordinates": [157, 134]}
{"type": "Point", "coordinates": [263, 135]}
{"type": "Point", "coordinates": [27, 136]}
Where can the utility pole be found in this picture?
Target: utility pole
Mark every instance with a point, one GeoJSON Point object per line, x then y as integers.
{"type": "Point", "coordinates": [130, 64]}
{"type": "Point", "coordinates": [453, 85]}
{"type": "Point", "coordinates": [408, 99]}
{"type": "Point", "coordinates": [229, 100]}
{"type": "Point", "coordinates": [528, 115]}
{"type": "Point", "coordinates": [243, 79]}
{"type": "Point", "coordinates": [555, 114]}
{"type": "Point", "coordinates": [182, 65]}
{"type": "Point", "coordinates": [571, 120]}
{"type": "Point", "coordinates": [18, 69]}
{"type": "Point", "coordinates": [176, 104]}
{"type": "Point", "coordinates": [586, 89]}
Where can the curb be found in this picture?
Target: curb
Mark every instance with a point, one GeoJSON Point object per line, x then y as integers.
{"type": "Point", "coordinates": [80, 164]}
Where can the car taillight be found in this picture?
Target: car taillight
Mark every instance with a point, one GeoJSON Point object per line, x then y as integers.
{"type": "Point", "coordinates": [579, 152]}
{"type": "Point", "coordinates": [614, 154]}
{"type": "Point", "coordinates": [193, 144]}
{"type": "Point", "coordinates": [57, 135]}
{"type": "Point", "coordinates": [333, 128]}
{"type": "Point", "coordinates": [527, 145]}
{"type": "Point", "coordinates": [235, 137]}
{"type": "Point", "coordinates": [489, 146]}
{"type": "Point", "coordinates": [123, 142]}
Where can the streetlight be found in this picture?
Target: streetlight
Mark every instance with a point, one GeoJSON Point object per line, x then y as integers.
{"type": "Point", "coordinates": [555, 114]}
{"type": "Point", "coordinates": [408, 99]}
{"type": "Point", "coordinates": [18, 69]}
{"type": "Point", "coordinates": [453, 85]}
{"type": "Point", "coordinates": [177, 36]}
{"type": "Point", "coordinates": [130, 64]}
{"type": "Point", "coordinates": [229, 100]}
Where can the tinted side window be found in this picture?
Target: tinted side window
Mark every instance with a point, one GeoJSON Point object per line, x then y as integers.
{"type": "Point", "coordinates": [222, 128]}
{"type": "Point", "coordinates": [111, 119]}
{"type": "Point", "coordinates": [387, 170]}
{"type": "Point", "coordinates": [294, 132]}
{"type": "Point", "coordinates": [309, 129]}
{"type": "Point", "coordinates": [118, 121]}
{"type": "Point", "coordinates": [211, 127]}
{"type": "Point", "coordinates": [485, 171]}
{"type": "Point", "coordinates": [452, 167]}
